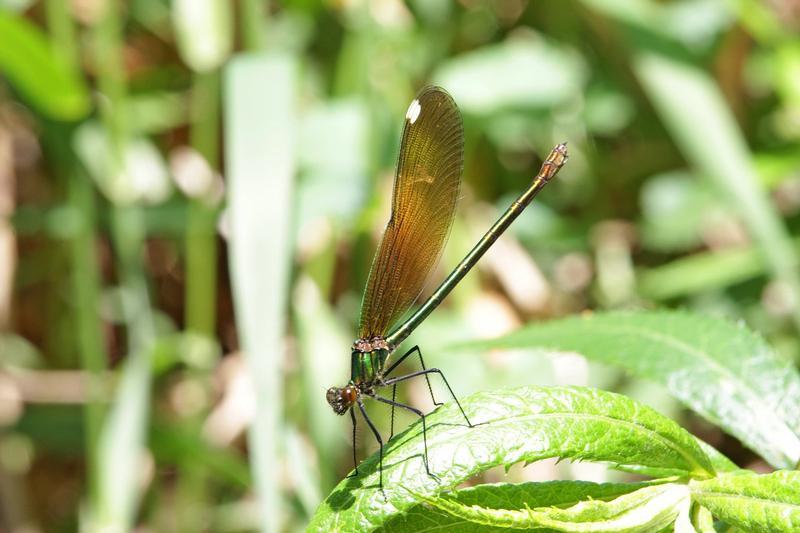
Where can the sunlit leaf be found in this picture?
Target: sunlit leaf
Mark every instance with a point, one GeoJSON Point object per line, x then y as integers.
{"type": "Point", "coordinates": [752, 502]}
{"type": "Point", "coordinates": [723, 371]}
{"type": "Point", "coordinates": [333, 160]}
{"type": "Point", "coordinates": [504, 496]}
{"type": "Point", "coordinates": [511, 426]}
{"type": "Point", "coordinates": [646, 509]}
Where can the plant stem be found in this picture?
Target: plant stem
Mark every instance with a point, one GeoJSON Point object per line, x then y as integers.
{"type": "Point", "coordinates": [201, 274]}
{"type": "Point", "coordinates": [107, 50]}
{"type": "Point", "coordinates": [253, 19]}
{"type": "Point", "coordinates": [201, 238]}
{"type": "Point", "coordinates": [123, 435]}
{"type": "Point", "coordinates": [85, 271]}
{"type": "Point", "coordinates": [61, 26]}
{"type": "Point", "coordinates": [86, 289]}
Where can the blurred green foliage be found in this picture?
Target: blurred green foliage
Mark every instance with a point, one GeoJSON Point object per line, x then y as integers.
{"type": "Point", "coordinates": [129, 131]}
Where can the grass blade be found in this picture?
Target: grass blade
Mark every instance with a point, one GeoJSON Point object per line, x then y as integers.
{"type": "Point", "coordinates": [259, 140]}
{"type": "Point", "coordinates": [121, 447]}
{"type": "Point", "coordinates": [694, 110]}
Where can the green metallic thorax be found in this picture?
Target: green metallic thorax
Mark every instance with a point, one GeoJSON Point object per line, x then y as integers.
{"type": "Point", "coordinates": [367, 366]}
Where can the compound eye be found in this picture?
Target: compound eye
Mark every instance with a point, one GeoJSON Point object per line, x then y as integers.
{"type": "Point", "coordinates": [331, 394]}
{"type": "Point", "coordinates": [349, 394]}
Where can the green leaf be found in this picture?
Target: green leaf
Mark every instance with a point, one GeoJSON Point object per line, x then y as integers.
{"type": "Point", "coordinates": [647, 509]}
{"type": "Point", "coordinates": [505, 496]}
{"type": "Point", "coordinates": [333, 159]}
{"type": "Point", "coordinates": [723, 371]}
{"type": "Point", "coordinates": [719, 461]}
{"type": "Point", "coordinates": [156, 112]}
{"type": "Point", "coordinates": [36, 70]}
{"type": "Point", "coordinates": [511, 426]}
{"type": "Point", "coordinates": [769, 502]}
{"type": "Point", "coordinates": [176, 443]}
{"type": "Point", "coordinates": [15, 5]}
{"type": "Point", "coordinates": [694, 23]}
{"type": "Point", "coordinates": [702, 520]}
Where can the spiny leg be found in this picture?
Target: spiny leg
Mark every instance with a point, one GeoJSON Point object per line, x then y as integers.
{"type": "Point", "coordinates": [398, 379]}
{"type": "Point", "coordinates": [424, 427]}
{"type": "Point", "coordinates": [421, 362]}
{"type": "Point", "coordinates": [378, 437]}
{"type": "Point", "coordinates": [355, 463]}
{"type": "Point", "coordinates": [394, 395]}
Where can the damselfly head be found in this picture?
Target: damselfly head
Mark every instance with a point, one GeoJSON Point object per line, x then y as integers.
{"type": "Point", "coordinates": [341, 399]}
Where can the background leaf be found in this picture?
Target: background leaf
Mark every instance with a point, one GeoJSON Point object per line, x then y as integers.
{"type": "Point", "coordinates": [723, 371]}
{"type": "Point", "coordinates": [694, 109]}
{"type": "Point", "coordinates": [701, 272]}
{"type": "Point", "coordinates": [260, 126]}
{"type": "Point", "coordinates": [34, 68]}
{"type": "Point", "coordinates": [718, 460]}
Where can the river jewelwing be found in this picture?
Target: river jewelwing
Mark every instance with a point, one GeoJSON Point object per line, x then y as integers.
{"type": "Point", "coordinates": [427, 184]}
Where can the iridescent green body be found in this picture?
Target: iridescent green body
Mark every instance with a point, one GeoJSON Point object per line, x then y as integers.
{"type": "Point", "coordinates": [366, 367]}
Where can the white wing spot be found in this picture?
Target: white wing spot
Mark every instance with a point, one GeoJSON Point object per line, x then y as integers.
{"type": "Point", "coordinates": [413, 111]}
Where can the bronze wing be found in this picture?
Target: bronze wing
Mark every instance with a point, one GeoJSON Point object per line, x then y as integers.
{"type": "Point", "coordinates": [426, 188]}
